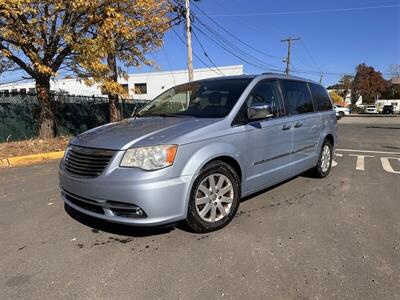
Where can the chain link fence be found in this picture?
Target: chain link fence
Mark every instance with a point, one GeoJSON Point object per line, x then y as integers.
{"type": "Point", "coordinates": [73, 114]}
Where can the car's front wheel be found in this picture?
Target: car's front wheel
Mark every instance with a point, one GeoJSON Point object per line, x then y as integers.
{"type": "Point", "coordinates": [214, 198]}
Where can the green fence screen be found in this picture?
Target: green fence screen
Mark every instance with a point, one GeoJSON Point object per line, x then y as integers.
{"type": "Point", "coordinates": [74, 114]}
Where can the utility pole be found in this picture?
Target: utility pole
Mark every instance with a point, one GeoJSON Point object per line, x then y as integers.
{"type": "Point", "coordinates": [320, 79]}
{"type": "Point", "coordinates": [289, 40]}
{"type": "Point", "coordinates": [189, 40]}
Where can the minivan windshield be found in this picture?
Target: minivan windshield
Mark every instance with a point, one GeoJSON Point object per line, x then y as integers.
{"type": "Point", "coordinates": [201, 99]}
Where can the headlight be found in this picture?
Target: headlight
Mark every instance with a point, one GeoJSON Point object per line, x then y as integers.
{"type": "Point", "coordinates": [149, 158]}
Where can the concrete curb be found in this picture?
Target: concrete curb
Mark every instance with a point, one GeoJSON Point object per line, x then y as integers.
{"type": "Point", "coordinates": [30, 159]}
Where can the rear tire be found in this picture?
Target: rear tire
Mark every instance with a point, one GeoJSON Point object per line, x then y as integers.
{"type": "Point", "coordinates": [341, 114]}
{"type": "Point", "coordinates": [324, 164]}
{"type": "Point", "coordinates": [214, 199]}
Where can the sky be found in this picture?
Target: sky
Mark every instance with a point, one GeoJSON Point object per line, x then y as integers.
{"type": "Point", "coordinates": [335, 37]}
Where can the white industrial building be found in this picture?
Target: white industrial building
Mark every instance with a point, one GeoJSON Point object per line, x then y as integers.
{"type": "Point", "coordinates": [381, 102]}
{"type": "Point", "coordinates": [144, 86]}
{"type": "Point", "coordinates": [70, 86]}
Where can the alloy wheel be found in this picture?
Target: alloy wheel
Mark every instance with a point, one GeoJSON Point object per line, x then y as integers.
{"type": "Point", "coordinates": [214, 197]}
{"type": "Point", "coordinates": [325, 158]}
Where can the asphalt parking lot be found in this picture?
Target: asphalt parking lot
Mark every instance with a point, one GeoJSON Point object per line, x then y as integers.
{"type": "Point", "coordinates": [332, 238]}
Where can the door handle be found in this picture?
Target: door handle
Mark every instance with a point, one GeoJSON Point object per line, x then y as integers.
{"type": "Point", "coordinates": [298, 125]}
{"type": "Point", "coordinates": [286, 127]}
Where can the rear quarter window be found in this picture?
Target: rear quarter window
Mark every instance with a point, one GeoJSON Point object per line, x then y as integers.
{"type": "Point", "coordinates": [297, 97]}
{"type": "Point", "coordinates": [321, 98]}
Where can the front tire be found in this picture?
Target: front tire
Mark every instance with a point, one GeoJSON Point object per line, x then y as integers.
{"type": "Point", "coordinates": [324, 165]}
{"type": "Point", "coordinates": [341, 114]}
{"type": "Point", "coordinates": [214, 199]}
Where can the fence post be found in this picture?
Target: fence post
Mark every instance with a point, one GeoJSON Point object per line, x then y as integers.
{"type": "Point", "coordinates": [122, 108]}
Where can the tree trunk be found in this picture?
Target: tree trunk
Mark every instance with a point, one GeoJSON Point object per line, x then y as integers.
{"type": "Point", "coordinates": [115, 114]}
{"type": "Point", "coordinates": [47, 124]}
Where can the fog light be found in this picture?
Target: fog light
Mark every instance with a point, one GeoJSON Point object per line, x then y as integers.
{"type": "Point", "coordinates": [132, 212]}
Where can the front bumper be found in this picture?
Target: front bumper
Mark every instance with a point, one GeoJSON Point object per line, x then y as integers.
{"type": "Point", "coordinates": [162, 199]}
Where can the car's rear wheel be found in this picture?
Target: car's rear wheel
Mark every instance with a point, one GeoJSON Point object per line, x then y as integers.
{"type": "Point", "coordinates": [341, 114]}
{"type": "Point", "coordinates": [324, 164]}
{"type": "Point", "coordinates": [214, 198]}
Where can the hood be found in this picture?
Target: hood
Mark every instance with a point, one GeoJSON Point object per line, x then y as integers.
{"type": "Point", "coordinates": [139, 132]}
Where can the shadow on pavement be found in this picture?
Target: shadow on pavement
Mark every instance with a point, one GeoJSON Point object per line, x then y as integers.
{"type": "Point", "coordinates": [244, 199]}
{"type": "Point", "coordinates": [135, 231]}
{"type": "Point", "coordinates": [391, 147]}
{"type": "Point", "coordinates": [382, 127]}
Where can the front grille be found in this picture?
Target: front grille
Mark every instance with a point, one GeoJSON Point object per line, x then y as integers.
{"type": "Point", "coordinates": [87, 162]}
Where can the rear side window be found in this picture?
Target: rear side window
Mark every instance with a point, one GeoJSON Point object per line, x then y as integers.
{"type": "Point", "coordinates": [297, 97]}
{"type": "Point", "coordinates": [321, 98]}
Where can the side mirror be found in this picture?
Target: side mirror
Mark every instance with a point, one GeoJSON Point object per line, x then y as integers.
{"type": "Point", "coordinates": [259, 111]}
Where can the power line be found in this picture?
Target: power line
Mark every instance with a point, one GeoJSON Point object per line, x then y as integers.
{"type": "Point", "coordinates": [241, 20]}
{"type": "Point", "coordinates": [169, 64]}
{"type": "Point", "coordinates": [194, 53]}
{"type": "Point", "coordinates": [303, 71]}
{"type": "Point", "coordinates": [204, 13]}
{"type": "Point", "coordinates": [17, 80]}
{"type": "Point", "coordinates": [239, 53]}
{"type": "Point", "coordinates": [306, 11]}
{"type": "Point", "coordinates": [300, 58]}
{"type": "Point", "coordinates": [224, 47]}
{"type": "Point", "coordinates": [152, 68]}
{"type": "Point", "coordinates": [299, 70]}
{"type": "Point", "coordinates": [234, 36]}
{"type": "Point", "coordinates": [205, 53]}
{"type": "Point", "coordinates": [309, 54]}
{"type": "Point", "coordinates": [220, 39]}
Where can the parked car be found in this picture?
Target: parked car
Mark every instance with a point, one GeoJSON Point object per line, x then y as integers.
{"type": "Point", "coordinates": [371, 109]}
{"type": "Point", "coordinates": [388, 109]}
{"type": "Point", "coordinates": [342, 111]}
{"type": "Point", "coordinates": [197, 149]}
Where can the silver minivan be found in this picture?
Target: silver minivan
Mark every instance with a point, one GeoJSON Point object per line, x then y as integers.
{"type": "Point", "coordinates": [194, 151]}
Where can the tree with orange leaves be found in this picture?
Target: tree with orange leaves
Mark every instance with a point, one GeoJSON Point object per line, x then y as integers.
{"type": "Point", "coordinates": [42, 37]}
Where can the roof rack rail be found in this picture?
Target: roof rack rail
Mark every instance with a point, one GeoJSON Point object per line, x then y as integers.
{"type": "Point", "coordinates": [267, 73]}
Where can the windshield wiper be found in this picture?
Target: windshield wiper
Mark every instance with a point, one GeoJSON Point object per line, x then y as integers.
{"type": "Point", "coordinates": [163, 115]}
